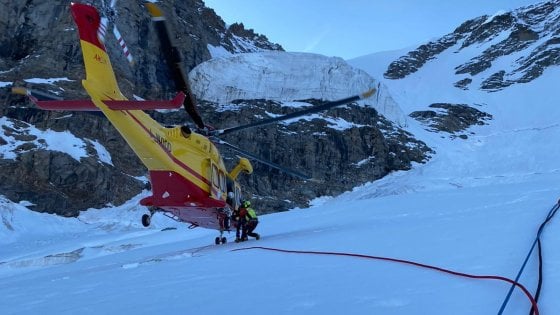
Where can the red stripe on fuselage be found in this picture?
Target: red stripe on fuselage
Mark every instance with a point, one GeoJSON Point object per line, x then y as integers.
{"type": "Point", "coordinates": [171, 156]}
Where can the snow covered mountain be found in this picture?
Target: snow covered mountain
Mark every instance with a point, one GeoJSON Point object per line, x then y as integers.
{"type": "Point", "coordinates": [474, 208]}
{"type": "Point", "coordinates": [493, 52]}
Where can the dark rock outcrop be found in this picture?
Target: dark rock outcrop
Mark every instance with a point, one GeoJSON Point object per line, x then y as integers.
{"type": "Point", "coordinates": [56, 183]}
{"type": "Point", "coordinates": [338, 159]}
{"type": "Point", "coordinates": [451, 118]}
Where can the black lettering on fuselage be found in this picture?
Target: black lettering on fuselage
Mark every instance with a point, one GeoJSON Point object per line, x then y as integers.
{"type": "Point", "coordinates": [163, 142]}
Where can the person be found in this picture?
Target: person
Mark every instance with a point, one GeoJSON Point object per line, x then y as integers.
{"type": "Point", "coordinates": [247, 222]}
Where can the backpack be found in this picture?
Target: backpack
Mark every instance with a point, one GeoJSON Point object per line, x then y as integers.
{"type": "Point", "coordinates": [251, 214]}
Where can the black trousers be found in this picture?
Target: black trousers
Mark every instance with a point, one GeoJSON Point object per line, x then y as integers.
{"type": "Point", "coordinates": [248, 228]}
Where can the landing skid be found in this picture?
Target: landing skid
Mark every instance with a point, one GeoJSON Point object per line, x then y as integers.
{"type": "Point", "coordinates": [147, 219]}
{"type": "Point", "coordinates": [220, 240]}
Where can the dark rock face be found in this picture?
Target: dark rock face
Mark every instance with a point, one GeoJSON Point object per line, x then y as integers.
{"type": "Point", "coordinates": [57, 183]}
{"type": "Point", "coordinates": [463, 84]}
{"type": "Point", "coordinates": [41, 42]}
{"type": "Point", "coordinates": [451, 118]}
{"type": "Point", "coordinates": [415, 59]}
{"type": "Point", "coordinates": [338, 159]}
{"type": "Point", "coordinates": [532, 32]}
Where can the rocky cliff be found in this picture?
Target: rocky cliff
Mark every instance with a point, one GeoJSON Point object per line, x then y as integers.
{"type": "Point", "coordinates": [39, 49]}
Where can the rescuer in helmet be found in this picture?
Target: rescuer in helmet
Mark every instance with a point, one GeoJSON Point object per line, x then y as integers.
{"type": "Point", "coordinates": [247, 222]}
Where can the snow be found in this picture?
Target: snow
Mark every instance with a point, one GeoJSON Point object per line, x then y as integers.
{"type": "Point", "coordinates": [45, 139]}
{"type": "Point", "coordinates": [109, 264]}
{"type": "Point", "coordinates": [491, 17]}
{"type": "Point", "coordinates": [475, 208]}
{"type": "Point", "coordinates": [218, 51]}
{"type": "Point", "coordinates": [102, 153]}
{"type": "Point", "coordinates": [5, 84]}
{"type": "Point", "coordinates": [48, 139]}
{"type": "Point", "coordinates": [333, 123]}
{"type": "Point", "coordinates": [46, 81]}
{"type": "Point", "coordinates": [287, 77]}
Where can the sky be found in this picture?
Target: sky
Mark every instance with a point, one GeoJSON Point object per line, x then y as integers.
{"type": "Point", "coordinates": [354, 28]}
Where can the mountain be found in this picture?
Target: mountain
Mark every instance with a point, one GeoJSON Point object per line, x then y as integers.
{"type": "Point", "coordinates": [343, 148]}
{"type": "Point", "coordinates": [42, 51]}
{"type": "Point", "coordinates": [474, 208]}
{"type": "Point", "coordinates": [494, 52]}
{"type": "Point", "coordinates": [478, 61]}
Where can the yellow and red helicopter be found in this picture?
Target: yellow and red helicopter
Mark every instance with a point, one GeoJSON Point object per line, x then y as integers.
{"type": "Point", "coordinates": [188, 177]}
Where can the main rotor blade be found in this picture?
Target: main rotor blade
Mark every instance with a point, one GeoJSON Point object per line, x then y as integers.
{"type": "Point", "coordinates": [175, 62]}
{"type": "Point", "coordinates": [263, 161]}
{"type": "Point", "coordinates": [43, 96]}
{"type": "Point", "coordinates": [300, 113]}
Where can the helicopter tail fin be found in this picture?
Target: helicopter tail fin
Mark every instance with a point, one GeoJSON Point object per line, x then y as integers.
{"type": "Point", "coordinates": [100, 79]}
{"type": "Point", "coordinates": [100, 82]}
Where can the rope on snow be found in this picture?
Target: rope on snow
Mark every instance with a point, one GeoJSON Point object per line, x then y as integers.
{"type": "Point", "coordinates": [551, 213]}
{"type": "Point", "coordinates": [402, 261]}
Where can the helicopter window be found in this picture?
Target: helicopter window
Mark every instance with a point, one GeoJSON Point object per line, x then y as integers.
{"type": "Point", "coordinates": [222, 181]}
{"type": "Point", "coordinates": [237, 195]}
{"type": "Point", "coordinates": [215, 178]}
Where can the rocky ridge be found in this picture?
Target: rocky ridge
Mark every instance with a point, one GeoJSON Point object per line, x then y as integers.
{"type": "Point", "coordinates": [526, 39]}
{"type": "Point", "coordinates": [454, 119]}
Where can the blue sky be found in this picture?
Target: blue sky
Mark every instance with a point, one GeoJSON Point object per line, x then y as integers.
{"type": "Point", "coordinates": [353, 28]}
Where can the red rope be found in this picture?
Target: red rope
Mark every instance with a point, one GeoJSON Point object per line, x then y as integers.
{"type": "Point", "coordinates": [455, 273]}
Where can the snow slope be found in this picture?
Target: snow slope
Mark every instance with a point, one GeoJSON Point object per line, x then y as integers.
{"type": "Point", "coordinates": [474, 208]}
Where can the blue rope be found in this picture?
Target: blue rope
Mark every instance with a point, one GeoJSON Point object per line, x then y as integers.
{"type": "Point", "coordinates": [551, 213]}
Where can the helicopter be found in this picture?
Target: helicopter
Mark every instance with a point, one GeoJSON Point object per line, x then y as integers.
{"type": "Point", "coordinates": [188, 177]}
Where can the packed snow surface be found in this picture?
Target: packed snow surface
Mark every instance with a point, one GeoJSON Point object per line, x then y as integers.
{"type": "Point", "coordinates": [474, 208]}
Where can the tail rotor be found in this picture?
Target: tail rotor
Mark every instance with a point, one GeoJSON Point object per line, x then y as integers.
{"type": "Point", "coordinates": [110, 15]}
